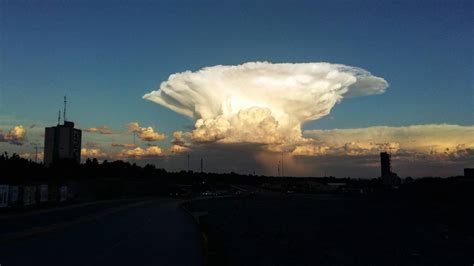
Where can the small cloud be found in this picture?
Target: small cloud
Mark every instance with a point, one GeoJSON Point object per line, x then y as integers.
{"type": "Point", "coordinates": [178, 149]}
{"type": "Point", "coordinates": [138, 152]}
{"type": "Point", "coordinates": [16, 135]}
{"type": "Point", "coordinates": [124, 145]}
{"type": "Point", "coordinates": [180, 143]}
{"type": "Point", "coordinates": [104, 130]}
{"type": "Point", "coordinates": [91, 144]}
{"type": "Point", "coordinates": [145, 133]}
{"type": "Point", "coordinates": [92, 153]}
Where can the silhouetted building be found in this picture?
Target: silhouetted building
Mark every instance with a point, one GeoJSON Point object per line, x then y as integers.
{"type": "Point", "coordinates": [469, 172]}
{"type": "Point", "coordinates": [385, 164]}
{"type": "Point", "coordinates": [389, 178]}
{"type": "Point", "coordinates": [62, 143]}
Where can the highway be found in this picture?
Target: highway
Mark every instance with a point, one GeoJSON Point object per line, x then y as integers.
{"type": "Point", "coordinates": [151, 232]}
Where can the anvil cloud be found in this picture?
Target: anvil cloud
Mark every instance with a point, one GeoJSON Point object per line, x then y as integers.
{"type": "Point", "coordinates": [261, 102]}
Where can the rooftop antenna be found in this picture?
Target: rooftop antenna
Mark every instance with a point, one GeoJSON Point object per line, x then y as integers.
{"type": "Point", "coordinates": [59, 117]}
{"type": "Point", "coordinates": [64, 115]}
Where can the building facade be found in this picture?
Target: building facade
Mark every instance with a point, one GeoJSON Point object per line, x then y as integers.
{"type": "Point", "coordinates": [62, 143]}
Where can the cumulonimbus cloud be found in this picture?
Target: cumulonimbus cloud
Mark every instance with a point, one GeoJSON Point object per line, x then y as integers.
{"type": "Point", "coordinates": [261, 102]}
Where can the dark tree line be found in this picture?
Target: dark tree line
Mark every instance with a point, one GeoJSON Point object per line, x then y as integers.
{"type": "Point", "coordinates": [120, 178]}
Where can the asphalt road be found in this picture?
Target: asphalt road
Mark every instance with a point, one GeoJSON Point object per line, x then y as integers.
{"type": "Point", "coordinates": [310, 229]}
{"type": "Point", "coordinates": [154, 232]}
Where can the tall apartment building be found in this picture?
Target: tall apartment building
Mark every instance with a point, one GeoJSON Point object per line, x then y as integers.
{"type": "Point", "coordinates": [62, 143]}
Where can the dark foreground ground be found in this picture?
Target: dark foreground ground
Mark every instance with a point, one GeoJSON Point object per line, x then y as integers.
{"type": "Point", "coordinates": [278, 229]}
{"type": "Point", "coordinates": [123, 232]}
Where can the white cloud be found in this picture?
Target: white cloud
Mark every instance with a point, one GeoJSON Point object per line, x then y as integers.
{"type": "Point", "coordinates": [178, 149]}
{"type": "Point", "coordinates": [138, 152]}
{"type": "Point", "coordinates": [92, 153]}
{"type": "Point", "coordinates": [261, 102]}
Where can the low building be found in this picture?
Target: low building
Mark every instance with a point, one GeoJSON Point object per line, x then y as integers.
{"type": "Point", "coordinates": [3, 196]}
{"type": "Point", "coordinates": [63, 193]}
{"type": "Point", "coordinates": [29, 195]}
{"type": "Point", "coordinates": [469, 172]}
{"type": "Point", "coordinates": [43, 193]}
{"type": "Point", "coordinates": [13, 195]}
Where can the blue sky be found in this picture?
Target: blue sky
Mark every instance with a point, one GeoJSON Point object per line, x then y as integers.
{"type": "Point", "coordinates": [106, 54]}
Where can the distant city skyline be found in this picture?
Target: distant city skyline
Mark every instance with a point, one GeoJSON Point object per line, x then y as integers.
{"type": "Point", "coordinates": [106, 55]}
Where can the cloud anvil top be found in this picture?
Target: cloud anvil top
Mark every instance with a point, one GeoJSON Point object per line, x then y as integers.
{"type": "Point", "coordinates": [261, 102]}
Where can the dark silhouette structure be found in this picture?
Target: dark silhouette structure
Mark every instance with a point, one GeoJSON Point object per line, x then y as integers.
{"type": "Point", "coordinates": [469, 172]}
{"type": "Point", "coordinates": [385, 164]}
{"type": "Point", "coordinates": [389, 178]}
{"type": "Point", "coordinates": [62, 143]}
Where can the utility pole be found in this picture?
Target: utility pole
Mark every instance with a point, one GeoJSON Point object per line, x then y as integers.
{"type": "Point", "coordinates": [59, 117]}
{"type": "Point", "coordinates": [36, 153]}
{"type": "Point", "coordinates": [201, 165]}
{"type": "Point", "coordinates": [278, 168]}
{"type": "Point", "coordinates": [282, 173]}
{"type": "Point", "coordinates": [188, 161]}
{"type": "Point", "coordinates": [64, 115]}
{"type": "Point", "coordinates": [134, 146]}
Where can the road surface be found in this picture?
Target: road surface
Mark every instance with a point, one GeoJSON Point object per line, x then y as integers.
{"type": "Point", "coordinates": [154, 232]}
